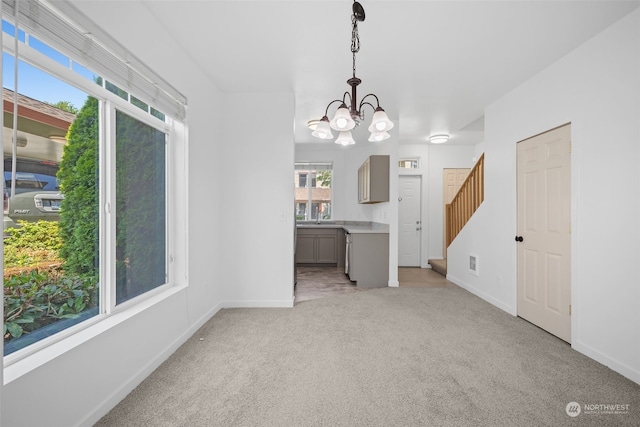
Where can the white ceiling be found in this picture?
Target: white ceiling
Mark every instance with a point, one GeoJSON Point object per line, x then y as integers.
{"type": "Point", "coordinates": [435, 65]}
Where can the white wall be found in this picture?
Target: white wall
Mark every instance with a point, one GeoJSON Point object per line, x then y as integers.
{"type": "Point", "coordinates": [257, 203]}
{"type": "Point", "coordinates": [597, 89]}
{"type": "Point", "coordinates": [240, 224]}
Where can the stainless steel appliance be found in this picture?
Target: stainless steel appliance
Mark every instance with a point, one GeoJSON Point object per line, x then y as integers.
{"type": "Point", "coordinates": [347, 253]}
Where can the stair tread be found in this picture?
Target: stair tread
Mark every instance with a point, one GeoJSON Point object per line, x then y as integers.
{"type": "Point", "coordinates": [439, 266]}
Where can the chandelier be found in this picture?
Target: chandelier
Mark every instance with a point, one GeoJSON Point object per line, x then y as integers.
{"type": "Point", "coordinates": [348, 117]}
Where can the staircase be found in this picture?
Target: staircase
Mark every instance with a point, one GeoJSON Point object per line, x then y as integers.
{"type": "Point", "coordinates": [439, 266]}
{"type": "Point", "coordinates": [466, 201]}
{"type": "Point", "coordinates": [461, 208]}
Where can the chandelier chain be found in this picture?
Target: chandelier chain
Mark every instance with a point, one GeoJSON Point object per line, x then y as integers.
{"type": "Point", "coordinates": [355, 41]}
{"type": "Point", "coordinates": [348, 116]}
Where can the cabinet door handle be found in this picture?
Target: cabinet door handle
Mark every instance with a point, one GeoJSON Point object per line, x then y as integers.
{"type": "Point", "coordinates": [519, 239]}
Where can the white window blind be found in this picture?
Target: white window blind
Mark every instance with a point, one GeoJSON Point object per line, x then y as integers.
{"type": "Point", "coordinates": [87, 44]}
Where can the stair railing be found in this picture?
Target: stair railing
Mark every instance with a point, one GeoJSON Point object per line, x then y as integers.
{"type": "Point", "coordinates": [466, 201]}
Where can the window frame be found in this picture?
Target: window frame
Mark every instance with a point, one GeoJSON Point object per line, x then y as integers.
{"type": "Point", "coordinates": [415, 160]}
{"type": "Point", "coordinates": [108, 165]}
{"type": "Point", "coordinates": [311, 170]}
{"type": "Point", "coordinates": [176, 239]}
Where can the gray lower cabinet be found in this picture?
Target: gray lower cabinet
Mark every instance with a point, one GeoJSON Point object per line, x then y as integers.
{"type": "Point", "coordinates": [317, 246]}
{"type": "Point", "coordinates": [369, 259]}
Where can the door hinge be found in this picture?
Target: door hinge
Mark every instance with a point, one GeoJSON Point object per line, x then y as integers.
{"type": "Point", "coordinates": [569, 309]}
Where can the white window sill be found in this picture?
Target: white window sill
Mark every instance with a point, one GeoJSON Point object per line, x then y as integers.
{"type": "Point", "coordinates": [14, 369]}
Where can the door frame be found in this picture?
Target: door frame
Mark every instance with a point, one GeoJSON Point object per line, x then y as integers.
{"type": "Point", "coordinates": [571, 217]}
{"type": "Point", "coordinates": [421, 247]}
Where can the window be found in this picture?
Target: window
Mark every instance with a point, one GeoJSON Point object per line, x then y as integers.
{"type": "Point", "coordinates": [87, 201]}
{"type": "Point", "coordinates": [314, 193]}
{"type": "Point", "coordinates": [51, 271]}
{"type": "Point", "coordinates": [140, 208]}
{"type": "Point", "coordinates": [409, 163]}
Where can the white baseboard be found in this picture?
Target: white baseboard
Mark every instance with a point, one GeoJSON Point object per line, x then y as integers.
{"type": "Point", "coordinates": [259, 304]}
{"type": "Point", "coordinates": [126, 388]}
{"type": "Point", "coordinates": [621, 368]}
{"type": "Point", "coordinates": [501, 305]}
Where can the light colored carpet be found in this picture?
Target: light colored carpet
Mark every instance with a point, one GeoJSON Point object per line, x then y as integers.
{"type": "Point", "coordinates": [435, 356]}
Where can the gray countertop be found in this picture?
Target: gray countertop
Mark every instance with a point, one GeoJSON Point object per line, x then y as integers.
{"type": "Point", "coordinates": [353, 227]}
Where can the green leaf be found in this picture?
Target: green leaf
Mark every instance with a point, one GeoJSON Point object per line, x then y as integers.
{"type": "Point", "coordinates": [25, 319]}
{"type": "Point", "coordinates": [14, 329]}
{"type": "Point", "coordinates": [70, 316]}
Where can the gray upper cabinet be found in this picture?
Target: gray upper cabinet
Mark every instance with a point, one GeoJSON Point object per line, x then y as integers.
{"type": "Point", "coordinates": [373, 180]}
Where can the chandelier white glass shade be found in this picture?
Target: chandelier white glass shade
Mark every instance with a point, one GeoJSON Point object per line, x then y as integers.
{"type": "Point", "coordinates": [378, 136]}
{"type": "Point", "coordinates": [345, 138]}
{"type": "Point", "coordinates": [323, 130]}
{"type": "Point", "coordinates": [348, 115]}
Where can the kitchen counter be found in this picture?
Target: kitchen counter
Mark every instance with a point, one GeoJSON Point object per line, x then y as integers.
{"type": "Point", "coordinates": [353, 227]}
{"type": "Point", "coordinates": [362, 247]}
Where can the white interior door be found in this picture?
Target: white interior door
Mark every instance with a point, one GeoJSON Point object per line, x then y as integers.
{"type": "Point", "coordinates": [410, 222]}
{"type": "Point", "coordinates": [543, 236]}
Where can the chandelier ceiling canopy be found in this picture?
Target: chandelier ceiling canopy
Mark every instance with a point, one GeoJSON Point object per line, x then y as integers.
{"type": "Point", "coordinates": [350, 112]}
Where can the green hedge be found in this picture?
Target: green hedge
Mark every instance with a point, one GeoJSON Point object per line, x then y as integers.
{"type": "Point", "coordinates": [78, 177]}
{"type": "Point", "coordinates": [31, 244]}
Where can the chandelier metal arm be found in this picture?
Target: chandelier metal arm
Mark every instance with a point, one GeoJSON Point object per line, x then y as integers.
{"type": "Point", "coordinates": [326, 111]}
{"type": "Point", "coordinates": [363, 102]}
{"type": "Point", "coordinates": [346, 95]}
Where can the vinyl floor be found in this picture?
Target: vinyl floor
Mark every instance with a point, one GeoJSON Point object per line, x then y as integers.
{"type": "Point", "coordinates": [318, 282]}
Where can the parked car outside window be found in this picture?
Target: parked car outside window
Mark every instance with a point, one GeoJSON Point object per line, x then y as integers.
{"type": "Point", "coordinates": [37, 193]}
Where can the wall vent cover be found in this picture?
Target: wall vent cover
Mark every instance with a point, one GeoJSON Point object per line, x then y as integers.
{"type": "Point", "coordinates": [473, 264]}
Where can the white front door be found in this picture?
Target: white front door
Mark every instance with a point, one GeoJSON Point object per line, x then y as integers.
{"type": "Point", "coordinates": [543, 236]}
{"type": "Point", "coordinates": [410, 223]}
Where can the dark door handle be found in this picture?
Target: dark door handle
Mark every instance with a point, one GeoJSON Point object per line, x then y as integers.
{"type": "Point", "coordinates": [519, 239]}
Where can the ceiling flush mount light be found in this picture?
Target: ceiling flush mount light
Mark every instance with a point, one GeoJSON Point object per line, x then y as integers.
{"type": "Point", "coordinates": [438, 139]}
{"type": "Point", "coordinates": [350, 112]}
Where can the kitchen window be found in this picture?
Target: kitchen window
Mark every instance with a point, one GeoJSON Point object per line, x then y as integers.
{"type": "Point", "coordinates": [314, 197]}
